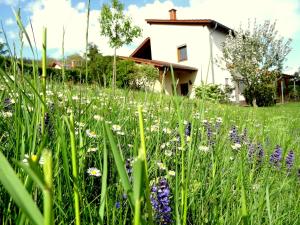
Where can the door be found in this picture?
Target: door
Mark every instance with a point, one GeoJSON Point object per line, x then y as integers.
{"type": "Point", "coordinates": [184, 89]}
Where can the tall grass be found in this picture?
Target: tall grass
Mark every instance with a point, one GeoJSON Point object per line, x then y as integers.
{"type": "Point", "coordinates": [106, 157]}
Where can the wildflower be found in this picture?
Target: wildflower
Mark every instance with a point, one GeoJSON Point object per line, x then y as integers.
{"type": "Point", "coordinates": [33, 158]}
{"type": "Point", "coordinates": [92, 149]}
{"type": "Point", "coordinates": [7, 114]}
{"type": "Point", "coordinates": [168, 153]}
{"type": "Point", "coordinates": [98, 118]}
{"type": "Point", "coordinates": [203, 148]}
{"type": "Point", "coordinates": [188, 129]}
{"type": "Point", "coordinates": [251, 151]}
{"type": "Point", "coordinates": [118, 205]}
{"type": "Point", "coordinates": [167, 130]}
{"type": "Point", "coordinates": [171, 173]}
{"type": "Point", "coordinates": [116, 127]}
{"type": "Point", "coordinates": [298, 173]}
{"type": "Point", "coordinates": [94, 172]}
{"type": "Point", "coordinates": [233, 134]}
{"type": "Point", "coordinates": [236, 146]}
{"type": "Point", "coordinates": [91, 134]}
{"type": "Point", "coordinates": [276, 156]}
{"type": "Point", "coordinates": [128, 166]}
{"type": "Point", "coordinates": [260, 153]}
{"type": "Point", "coordinates": [290, 160]}
{"type": "Point", "coordinates": [160, 200]}
{"type": "Point", "coordinates": [8, 103]}
{"type": "Point", "coordinates": [161, 166]}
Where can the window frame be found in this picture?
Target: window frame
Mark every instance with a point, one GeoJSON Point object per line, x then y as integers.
{"type": "Point", "coordinates": [184, 46]}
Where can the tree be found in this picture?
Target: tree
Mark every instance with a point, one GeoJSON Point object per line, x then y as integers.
{"type": "Point", "coordinates": [255, 57]}
{"type": "Point", "coordinates": [118, 28]}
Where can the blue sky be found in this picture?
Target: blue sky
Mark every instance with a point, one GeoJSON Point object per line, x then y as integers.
{"type": "Point", "coordinates": [70, 14]}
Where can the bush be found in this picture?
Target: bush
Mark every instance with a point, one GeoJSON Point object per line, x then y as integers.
{"type": "Point", "coordinates": [213, 92]}
{"type": "Point", "coordinates": [264, 95]}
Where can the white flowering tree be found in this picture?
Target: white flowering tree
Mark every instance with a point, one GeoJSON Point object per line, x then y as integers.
{"type": "Point", "coordinates": [118, 28]}
{"type": "Point", "coordinates": [255, 56]}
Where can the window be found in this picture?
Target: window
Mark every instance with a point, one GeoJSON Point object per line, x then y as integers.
{"type": "Point", "coordinates": [182, 53]}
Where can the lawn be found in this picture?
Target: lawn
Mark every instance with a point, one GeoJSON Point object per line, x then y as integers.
{"type": "Point", "coordinates": [104, 157]}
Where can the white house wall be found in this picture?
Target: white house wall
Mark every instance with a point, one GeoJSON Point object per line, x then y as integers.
{"type": "Point", "coordinates": [200, 42]}
{"type": "Point", "coordinates": [165, 39]}
{"type": "Point", "coordinates": [220, 73]}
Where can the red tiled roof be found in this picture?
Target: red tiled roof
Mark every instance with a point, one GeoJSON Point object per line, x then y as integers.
{"type": "Point", "coordinates": [159, 64]}
{"type": "Point", "coordinates": [192, 22]}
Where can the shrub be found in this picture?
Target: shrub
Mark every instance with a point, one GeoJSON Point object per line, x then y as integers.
{"type": "Point", "coordinates": [264, 95]}
{"type": "Point", "coordinates": [213, 92]}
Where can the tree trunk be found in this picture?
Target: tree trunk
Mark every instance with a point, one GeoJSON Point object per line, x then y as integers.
{"type": "Point", "coordinates": [114, 69]}
{"type": "Point", "coordinates": [254, 102]}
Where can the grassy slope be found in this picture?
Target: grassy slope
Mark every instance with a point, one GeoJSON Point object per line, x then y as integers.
{"type": "Point", "coordinates": [220, 181]}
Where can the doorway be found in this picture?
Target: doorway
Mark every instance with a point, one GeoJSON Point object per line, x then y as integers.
{"type": "Point", "coordinates": [184, 89]}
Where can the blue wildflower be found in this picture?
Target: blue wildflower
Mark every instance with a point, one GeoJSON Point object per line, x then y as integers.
{"type": "Point", "coordinates": [260, 153]}
{"type": "Point", "coordinates": [251, 151]}
{"type": "Point", "coordinates": [160, 199]}
{"type": "Point", "coordinates": [188, 129]}
{"type": "Point", "coordinates": [118, 205]}
{"type": "Point", "coordinates": [276, 157]}
{"type": "Point", "coordinates": [290, 160]}
{"type": "Point", "coordinates": [234, 136]}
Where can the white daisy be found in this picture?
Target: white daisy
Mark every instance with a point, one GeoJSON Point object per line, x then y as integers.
{"type": "Point", "coordinates": [94, 172]}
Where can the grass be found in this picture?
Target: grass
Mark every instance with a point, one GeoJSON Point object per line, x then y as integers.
{"type": "Point", "coordinates": [82, 154]}
{"type": "Point", "coordinates": [223, 186]}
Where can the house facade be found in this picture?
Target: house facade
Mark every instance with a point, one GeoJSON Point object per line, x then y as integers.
{"type": "Point", "coordinates": [191, 47]}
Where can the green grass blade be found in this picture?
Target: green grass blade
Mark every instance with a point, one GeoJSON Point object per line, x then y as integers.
{"type": "Point", "coordinates": [104, 184]}
{"type": "Point", "coordinates": [17, 191]}
{"type": "Point", "coordinates": [120, 166]}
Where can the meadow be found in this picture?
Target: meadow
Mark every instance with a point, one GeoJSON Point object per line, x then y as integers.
{"type": "Point", "coordinates": [82, 154]}
{"type": "Point", "coordinates": [99, 156]}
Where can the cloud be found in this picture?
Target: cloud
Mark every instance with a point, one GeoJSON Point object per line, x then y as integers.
{"type": "Point", "coordinates": [56, 14]}
{"type": "Point", "coordinates": [9, 2]}
{"type": "Point", "coordinates": [9, 22]}
{"type": "Point", "coordinates": [80, 6]}
{"type": "Point", "coordinates": [12, 34]}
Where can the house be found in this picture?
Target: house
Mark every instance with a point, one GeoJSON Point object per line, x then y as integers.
{"type": "Point", "coordinates": [191, 47]}
{"type": "Point", "coordinates": [59, 65]}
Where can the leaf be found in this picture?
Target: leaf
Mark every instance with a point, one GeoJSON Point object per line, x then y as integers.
{"type": "Point", "coordinates": [18, 193]}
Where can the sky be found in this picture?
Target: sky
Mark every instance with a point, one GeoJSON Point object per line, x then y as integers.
{"type": "Point", "coordinates": [71, 15]}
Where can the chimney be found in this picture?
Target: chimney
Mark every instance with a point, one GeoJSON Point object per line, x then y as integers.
{"type": "Point", "coordinates": [172, 14]}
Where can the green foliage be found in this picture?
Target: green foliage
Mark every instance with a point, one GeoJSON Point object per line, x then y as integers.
{"type": "Point", "coordinates": [118, 28]}
{"type": "Point", "coordinates": [213, 92]}
{"type": "Point", "coordinates": [263, 95]}
{"type": "Point", "coordinates": [255, 55]}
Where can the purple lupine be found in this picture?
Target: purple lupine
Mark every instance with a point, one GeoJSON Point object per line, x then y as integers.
{"type": "Point", "coordinates": [244, 136]}
{"type": "Point", "coordinates": [128, 166]}
{"type": "Point", "coordinates": [188, 129]}
{"type": "Point", "coordinates": [276, 157]}
{"type": "Point", "coordinates": [234, 136]}
{"type": "Point", "coordinates": [8, 103]}
{"type": "Point", "coordinates": [290, 160]}
{"type": "Point", "coordinates": [298, 173]}
{"type": "Point", "coordinates": [209, 133]}
{"type": "Point", "coordinates": [260, 154]}
{"type": "Point", "coordinates": [160, 199]}
{"type": "Point", "coordinates": [251, 151]}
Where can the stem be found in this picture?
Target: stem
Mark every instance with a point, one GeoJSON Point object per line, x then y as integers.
{"type": "Point", "coordinates": [44, 72]}
{"type": "Point", "coordinates": [144, 158]}
{"type": "Point", "coordinates": [87, 39]}
{"type": "Point", "coordinates": [48, 198]}
{"type": "Point", "coordinates": [74, 170]}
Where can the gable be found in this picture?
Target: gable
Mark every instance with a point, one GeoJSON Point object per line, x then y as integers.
{"type": "Point", "coordinates": [143, 51]}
